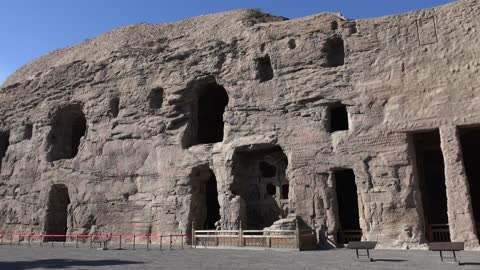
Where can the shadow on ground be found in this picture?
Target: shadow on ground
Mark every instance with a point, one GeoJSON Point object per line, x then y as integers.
{"type": "Point", "coordinates": [60, 263]}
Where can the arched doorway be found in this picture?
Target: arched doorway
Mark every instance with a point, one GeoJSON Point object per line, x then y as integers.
{"type": "Point", "coordinates": [57, 212]}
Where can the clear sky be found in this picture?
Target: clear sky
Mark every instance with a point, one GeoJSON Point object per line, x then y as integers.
{"type": "Point", "coordinates": [32, 28]}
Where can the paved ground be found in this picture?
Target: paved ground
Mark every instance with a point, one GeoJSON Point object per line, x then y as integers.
{"type": "Point", "coordinates": [46, 257]}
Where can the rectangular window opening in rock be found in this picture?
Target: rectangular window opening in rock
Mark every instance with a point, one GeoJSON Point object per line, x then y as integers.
{"type": "Point", "coordinates": [260, 180]}
{"type": "Point", "coordinates": [334, 50]}
{"type": "Point", "coordinates": [264, 68]}
{"type": "Point", "coordinates": [470, 141]}
{"type": "Point", "coordinates": [4, 143]}
{"type": "Point", "coordinates": [347, 203]}
{"type": "Point", "coordinates": [337, 116]}
{"type": "Point", "coordinates": [430, 169]}
{"type": "Point", "coordinates": [27, 131]}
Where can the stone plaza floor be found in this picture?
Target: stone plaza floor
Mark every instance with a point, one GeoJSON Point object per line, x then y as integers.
{"type": "Point", "coordinates": [47, 257]}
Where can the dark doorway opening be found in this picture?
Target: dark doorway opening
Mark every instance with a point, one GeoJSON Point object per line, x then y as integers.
{"type": "Point", "coordinates": [4, 143]}
{"type": "Point", "coordinates": [431, 174]}
{"type": "Point", "coordinates": [259, 173]}
{"type": "Point", "coordinates": [264, 69]}
{"type": "Point", "coordinates": [211, 106]}
{"type": "Point", "coordinates": [69, 126]}
{"type": "Point", "coordinates": [204, 206]}
{"type": "Point", "coordinates": [213, 207]}
{"type": "Point", "coordinates": [338, 117]}
{"type": "Point", "coordinates": [470, 140]}
{"type": "Point", "coordinates": [335, 52]}
{"type": "Point", "coordinates": [347, 201]}
{"type": "Point", "coordinates": [57, 213]}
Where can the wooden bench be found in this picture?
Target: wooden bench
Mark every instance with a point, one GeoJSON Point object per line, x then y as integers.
{"type": "Point", "coordinates": [447, 246]}
{"type": "Point", "coordinates": [362, 245]}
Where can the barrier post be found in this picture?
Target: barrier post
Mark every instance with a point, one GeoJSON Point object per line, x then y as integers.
{"type": "Point", "coordinates": [148, 242]}
{"type": "Point", "coordinates": [29, 243]}
{"type": "Point", "coordinates": [194, 241]}
{"type": "Point", "coordinates": [161, 237]}
{"type": "Point", "coordinates": [19, 239]}
{"type": "Point", "coordinates": [297, 234]}
{"type": "Point", "coordinates": [91, 240]}
{"type": "Point", "coordinates": [2, 240]}
{"type": "Point", "coordinates": [11, 239]}
{"type": "Point", "coordinates": [41, 239]}
{"type": "Point", "coordinates": [52, 242]}
{"type": "Point", "coordinates": [76, 241]}
{"type": "Point", "coordinates": [120, 243]}
{"type": "Point", "coordinates": [134, 242]}
{"type": "Point", "coordinates": [182, 240]}
{"type": "Point", "coordinates": [240, 234]}
{"type": "Point", "coordinates": [170, 241]}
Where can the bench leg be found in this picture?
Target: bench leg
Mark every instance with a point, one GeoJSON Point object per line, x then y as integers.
{"type": "Point", "coordinates": [368, 253]}
{"type": "Point", "coordinates": [441, 256]}
{"type": "Point", "coordinates": [454, 256]}
{"type": "Point", "coordinates": [356, 251]}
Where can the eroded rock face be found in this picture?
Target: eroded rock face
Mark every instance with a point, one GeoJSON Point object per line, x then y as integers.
{"type": "Point", "coordinates": [126, 131]}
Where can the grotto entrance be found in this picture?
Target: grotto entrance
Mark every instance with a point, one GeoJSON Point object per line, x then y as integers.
{"type": "Point", "coordinates": [208, 104]}
{"type": "Point", "coordinates": [4, 143]}
{"type": "Point", "coordinates": [57, 213]}
{"type": "Point", "coordinates": [68, 127]}
{"type": "Point", "coordinates": [469, 138]}
{"type": "Point", "coordinates": [259, 173]}
{"type": "Point", "coordinates": [204, 206]}
{"type": "Point", "coordinates": [347, 201]}
{"type": "Point", "coordinates": [431, 174]}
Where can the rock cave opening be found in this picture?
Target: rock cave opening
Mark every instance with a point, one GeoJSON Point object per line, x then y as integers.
{"type": "Point", "coordinates": [27, 131]}
{"type": "Point", "coordinates": [208, 106]}
{"type": "Point", "coordinates": [155, 98]}
{"type": "Point", "coordinates": [335, 52]}
{"type": "Point", "coordinates": [57, 213]}
{"type": "Point", "coordinates": [113, 107]}
{"type": "Point", "coordinates": [260, 179]}
{"type": "Point", "coordinates": [347, 201]}
{"type": "Point", "coordinates": [4, 143]}
{"type": "Point", "coordinates": [469, 138]}
{"type": "Point", "coordinates": [68, 127]}
{"type": "Point", "coordinates": [431, 177]}
{"type": "Point", "coordinates": [204, 206]}
{"type": "Point", "coordinates": [264, 68]}
{"type": "Point", "coordinates": [337, 115]}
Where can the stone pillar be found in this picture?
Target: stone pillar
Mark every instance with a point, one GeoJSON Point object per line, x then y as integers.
{"type": "Point", "coordinates": [460, 214]}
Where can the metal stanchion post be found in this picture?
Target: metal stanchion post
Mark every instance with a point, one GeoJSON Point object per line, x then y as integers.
{"type": "Point", "coordinates": [161, 237]}
{"type": "Point", "coordinates": [148, 240]}
{"type": "Point", "coordinates": [134, 242]}
{"type": "Point", "coordinates": [76, 241]}
{"type": "Point", "coordinates": [91, 240]}
{"type": "Point", "coordinates": [170, 241]}
{"type": "Point", "coordinates": [29, 243]}
{"type": "Point", "coordinates": [120, 243]}
{"type": "Point", "coordinates": [182, 240]}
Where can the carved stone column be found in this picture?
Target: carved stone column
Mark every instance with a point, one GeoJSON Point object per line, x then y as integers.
{"type": "Point", "coordinates": [460, 214]}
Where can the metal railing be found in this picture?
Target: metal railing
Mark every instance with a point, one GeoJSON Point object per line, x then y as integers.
{"type": "Point", "coordinates": [104, 241]}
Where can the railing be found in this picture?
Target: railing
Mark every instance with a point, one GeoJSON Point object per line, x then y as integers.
{"type": "Point", "coordinates": [345, 236]}
{"type": "Point", "coordinates": [438, 233]}
{"type": "Point", "coordinates": [294, 239]}
{"type": "Point", "coordinates": [171, 241]}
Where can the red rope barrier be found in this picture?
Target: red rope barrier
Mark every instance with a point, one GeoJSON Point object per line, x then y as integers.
{"type": "Point", "coordinates": [123, 236]}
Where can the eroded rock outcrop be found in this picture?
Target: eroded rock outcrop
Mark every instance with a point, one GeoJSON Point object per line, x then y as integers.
{"type": "Point", "coordinates": [243, 117]}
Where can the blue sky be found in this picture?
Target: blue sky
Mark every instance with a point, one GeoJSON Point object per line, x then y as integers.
{"type": "Point", "coordinates": [32, 28]}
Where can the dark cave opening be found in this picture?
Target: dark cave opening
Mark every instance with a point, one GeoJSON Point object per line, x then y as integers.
{"type": "Point", "coordinates": [57, 213]}
{"type": "Point", "coordinates": [347, 200]}
{"type": "Point", "coordinates": [431, 174]}
{"type": "Point", "coordinates": [69, 126]}
{"type": "Point", "coordinates": [211, 106]}
{"type": "Point", "coordinates": [335, 52]}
